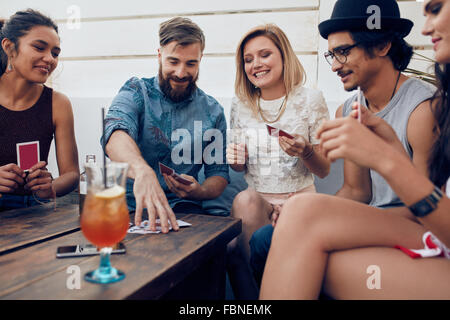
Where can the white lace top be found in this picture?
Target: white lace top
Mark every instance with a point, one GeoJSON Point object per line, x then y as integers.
{"type": "Point", "coordinates": [270, 169]}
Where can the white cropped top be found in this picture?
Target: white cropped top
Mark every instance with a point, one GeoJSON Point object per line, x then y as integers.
{"type": "Point", "coordinates": [270, 169]}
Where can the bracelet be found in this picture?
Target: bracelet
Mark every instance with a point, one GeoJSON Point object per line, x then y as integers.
{"type": "Point", "coordinates": [308, 155]}
{"type": "Point", "coordinates": [427, 204]}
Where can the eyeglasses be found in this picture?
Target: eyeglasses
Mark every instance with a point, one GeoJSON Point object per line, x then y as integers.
{"type": "Point", "coordinates": [340, 54]}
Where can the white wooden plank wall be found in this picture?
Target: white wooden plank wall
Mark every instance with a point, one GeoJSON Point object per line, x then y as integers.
{"type": "Point", "coordinates": [115, 40]}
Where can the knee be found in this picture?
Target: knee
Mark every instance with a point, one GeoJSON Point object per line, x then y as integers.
{"type": "Point", "coordinates": [304, 210]}
{"type": "Point", "coordinates": [245, 203]}
{"type": "Point", "coordinates": [245, 198]}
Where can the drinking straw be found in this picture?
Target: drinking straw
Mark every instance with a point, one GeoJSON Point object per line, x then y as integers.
{"type": "Point", "coordinates": [104, 146]}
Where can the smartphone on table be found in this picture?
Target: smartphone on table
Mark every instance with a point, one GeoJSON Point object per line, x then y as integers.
{"type": "Point", "coordinates": [83, 250]}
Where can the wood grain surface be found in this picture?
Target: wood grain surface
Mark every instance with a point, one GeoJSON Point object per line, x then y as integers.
{"type": "Point", "coordinates": [154, 265]}
{"type": "Point", "coordinates": [22, 227]}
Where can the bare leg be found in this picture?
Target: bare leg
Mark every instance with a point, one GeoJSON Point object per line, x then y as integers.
{"type": "Point", "coordinates": [398, 275]}
{"type": "Point", "coordinates": [254, 212]}
{"type": "Point", "coordinates": [313, 225]}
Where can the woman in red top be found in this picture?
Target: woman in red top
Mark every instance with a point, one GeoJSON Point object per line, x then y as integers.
{"type": "Point", "coordinates": [30, 111]}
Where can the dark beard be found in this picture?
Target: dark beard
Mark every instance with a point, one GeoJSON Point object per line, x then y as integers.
{"type": "Point", "coordinates": [174, 95]}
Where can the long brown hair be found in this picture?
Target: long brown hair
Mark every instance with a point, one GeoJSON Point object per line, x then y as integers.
{"type": "Point", "coordinates": [293, 71]}
{"type": "Point", "coordinates": [439, 161]}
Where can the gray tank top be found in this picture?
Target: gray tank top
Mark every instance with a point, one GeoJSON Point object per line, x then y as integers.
{"type": "Point", "coordinates": [412, 93]}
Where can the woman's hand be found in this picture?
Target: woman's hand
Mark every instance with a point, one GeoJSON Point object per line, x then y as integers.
{"type": "Point", "coordinates": [39, 181]}
{"type": "Point", "coordinates": [275, 214]}
{"type": "Point", "coordinates": [237, 153]}
{"type": "Point", "coordinates": [237, 156]}
{"type": "Point", "coordinates": [11, 177]}
{"type": "Point", "coordinates": [380, 127]}
{"type": "Point", "coordinates": [297, 147]}
{"type": "Point", "coordinates": [347, 138]}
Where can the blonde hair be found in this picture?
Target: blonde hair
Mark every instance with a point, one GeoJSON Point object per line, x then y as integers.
{"type": "Point", "coordinates": [293, 71]}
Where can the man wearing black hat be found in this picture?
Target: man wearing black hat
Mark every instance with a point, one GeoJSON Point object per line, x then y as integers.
{"type": "Point", "coordinates": [372, 54]}
{"type": "Point", "coordinates": [367, 50]}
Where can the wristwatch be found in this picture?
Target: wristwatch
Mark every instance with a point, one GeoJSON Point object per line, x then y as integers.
{"type": "Point", "coordinates": [427, 204]}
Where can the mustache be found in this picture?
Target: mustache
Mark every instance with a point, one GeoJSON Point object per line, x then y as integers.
{"type": "Point", "coordinates": [184, 79]}
{"type": "Point", "coordinates": [177, 95]}
{"type": "Point", "coordinates": [343, 73]}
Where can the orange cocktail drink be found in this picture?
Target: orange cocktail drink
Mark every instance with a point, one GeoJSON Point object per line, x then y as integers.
{"type": "Point", "coordinates": [105, 219]}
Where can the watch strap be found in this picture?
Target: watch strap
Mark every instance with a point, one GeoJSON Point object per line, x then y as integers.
{"type": "Point", "coordinates": [427, 204]}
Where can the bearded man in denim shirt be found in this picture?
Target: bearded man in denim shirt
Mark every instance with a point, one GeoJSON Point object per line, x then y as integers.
{"type": "Point", "coordinates": [168, 119]}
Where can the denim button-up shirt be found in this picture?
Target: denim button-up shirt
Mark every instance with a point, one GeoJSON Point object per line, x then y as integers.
{"type": "Point", "coordinates": [184, 136]}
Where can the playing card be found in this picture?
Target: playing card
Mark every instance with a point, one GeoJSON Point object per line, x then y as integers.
{"type": "Point", "coordinates": [165, 169]}
{"type": "Point", "coordinates": [144, 228]}
{"type": "Point", "coordinates": [27, 154]}
{"type": "Point", "coordinates": [182, 180]}
{"type": "Point", "coordinates": [275, 132]}
{"type": "Point", "coordinates": [171, 172]}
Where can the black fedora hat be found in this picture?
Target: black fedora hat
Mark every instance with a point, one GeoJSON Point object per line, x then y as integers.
{"type": "Point", "coordinates": [352, 15]}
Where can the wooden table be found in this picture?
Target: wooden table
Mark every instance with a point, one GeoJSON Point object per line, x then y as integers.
{"type": "Point", "coordinates": [25, 227]}
{"type": "Point", "coordinates": [188, 264]}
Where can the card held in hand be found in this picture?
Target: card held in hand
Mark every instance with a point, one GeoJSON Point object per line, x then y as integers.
{"type": "Point", "coordinates": [27, 154]}
{"type": "Point", "coordinates": [165, 169]}
{"type": "Point", "coordinates": [171, 172]}
{"type": "Point", "coordinates": [275, 132]}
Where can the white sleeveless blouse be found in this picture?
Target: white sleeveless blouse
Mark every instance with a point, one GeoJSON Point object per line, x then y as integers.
{"type": "Point", "coordinates": [270, 169]}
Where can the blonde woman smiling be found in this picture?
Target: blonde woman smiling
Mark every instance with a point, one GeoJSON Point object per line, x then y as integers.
{"type": "Point", "coordinates": [269, 90]}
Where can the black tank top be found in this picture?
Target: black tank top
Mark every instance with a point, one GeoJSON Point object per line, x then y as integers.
{"type": "Point", "coordinates": [32, 124]}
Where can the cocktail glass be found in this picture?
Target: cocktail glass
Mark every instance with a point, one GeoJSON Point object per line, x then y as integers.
{"type": "Point", "coordinates": [105, 219]}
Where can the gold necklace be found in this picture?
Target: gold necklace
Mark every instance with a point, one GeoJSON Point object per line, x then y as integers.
{"type": "Point", "coordinates": [280, 111]}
